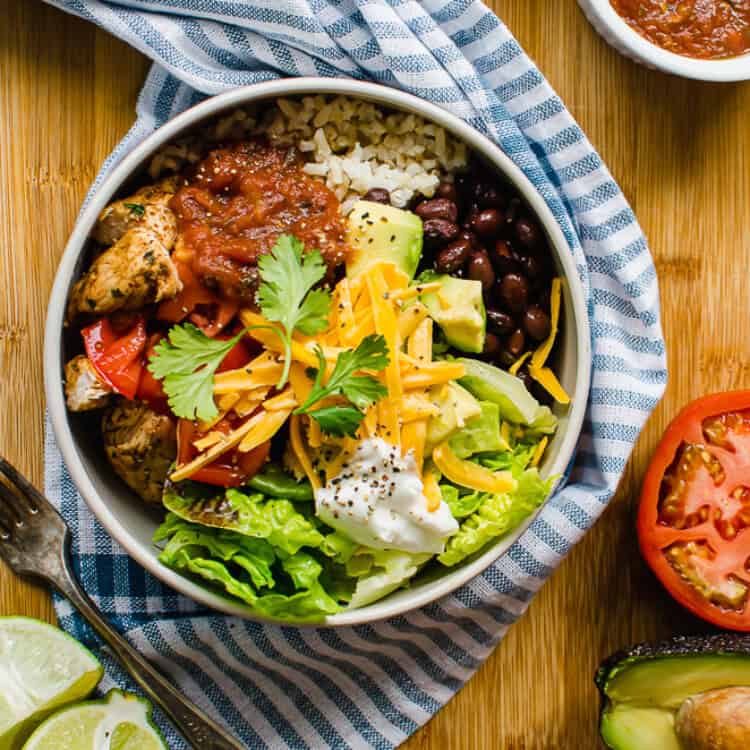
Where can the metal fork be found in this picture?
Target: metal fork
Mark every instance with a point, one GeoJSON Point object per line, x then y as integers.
{"type": "Point", "coordinates": [35, 541]}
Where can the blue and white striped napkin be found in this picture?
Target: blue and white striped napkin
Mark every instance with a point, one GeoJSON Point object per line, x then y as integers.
{"type": "Point", "coordinates": [373, 686]}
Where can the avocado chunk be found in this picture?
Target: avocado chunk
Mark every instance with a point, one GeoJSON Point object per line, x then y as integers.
{"type": "Point", "coordinates": [489, 383]}
{"type": "Point", "coordinates": [458, 308]}
{"type": "Point", "coordinates": [480, 434]}
{"type": "Point", "coordinates": [644, 688]}
{"type": "Point", "coordinates": [376, 232]}
{"type": "Point", "coordinates": [457, 407]}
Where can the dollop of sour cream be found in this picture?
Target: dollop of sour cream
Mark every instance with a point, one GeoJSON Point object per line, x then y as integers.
{"type": "Point", "coordinates": [377, 500]}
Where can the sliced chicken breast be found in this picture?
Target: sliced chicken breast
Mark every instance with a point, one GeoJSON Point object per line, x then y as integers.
{"type": "Point", "coordinates": [141, 445]}
{"type": "Point", "coordinates": [84, 389]}
{"type": "Point", "coordinates": [147, 208]}
{"type": "Point", "coordinates": [136, 271]}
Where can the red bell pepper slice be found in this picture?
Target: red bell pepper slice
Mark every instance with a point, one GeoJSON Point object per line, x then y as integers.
{"type": "Point", "coordinates": [117, 359]}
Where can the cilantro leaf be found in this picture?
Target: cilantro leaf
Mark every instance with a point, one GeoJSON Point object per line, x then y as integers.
{"type": "Point", "coordinates": [138, 209]}
{"type": "Point", "coordinates": [186, 362]}
{"type": "Point", "coordinates": [360, 390]}
{"type": "Point", "coordinates": [286, 294]}
{"type": "Point", "coordinates": [338, 420]}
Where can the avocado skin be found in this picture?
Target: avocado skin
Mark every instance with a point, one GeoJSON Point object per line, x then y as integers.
{"type": "Point", "coordinates": [681, 645]}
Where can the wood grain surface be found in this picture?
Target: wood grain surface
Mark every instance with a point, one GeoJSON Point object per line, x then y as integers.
{"type": "Point", "coordinates": [679, 149]}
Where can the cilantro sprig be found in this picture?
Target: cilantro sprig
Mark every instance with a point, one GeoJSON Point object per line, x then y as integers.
{"type": "Point", "coordinates": [360, 390]}
{"type": "Point", "coordinates": [186, 361]}
{"type": "Point", "coordinates": [286, 294]}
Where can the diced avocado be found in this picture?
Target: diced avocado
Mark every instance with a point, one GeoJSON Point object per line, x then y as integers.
{"type": "Point", "coordinates": [457, 406]}
{"type": "Point", "coordinates": [376, 232]}
{"type": "Point", "coordinates": [480, 434]}
{"type": "Point", "coordinates": [644, 687]}
{"type": "Point", "coordinates": [489, 383]}
{"type": "Point", "coordinates": [458, 308]}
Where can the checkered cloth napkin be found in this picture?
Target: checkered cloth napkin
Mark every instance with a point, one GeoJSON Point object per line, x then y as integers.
{"type": "Point", "coordinates": [374, 685]}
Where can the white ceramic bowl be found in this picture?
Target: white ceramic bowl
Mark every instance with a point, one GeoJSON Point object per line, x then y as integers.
{"type": "Point", "coordinates": [125, 517]}
{"type": "Point", "coordinates": [605, 19]}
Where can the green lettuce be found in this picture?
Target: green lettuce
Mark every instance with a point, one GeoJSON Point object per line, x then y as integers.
{"type": "Point", "coordinates": [277, 521]}
{"type": "Point", "coordinates": [515, 461]}
{"type": "Point", "coordinates": [461, 504]}
{"type": "Point", "coordinates": [495, 516]}
{"type": "Point", "coordinates": [382, 572]}
{"type": "Point", "coordinates": [273, 582]}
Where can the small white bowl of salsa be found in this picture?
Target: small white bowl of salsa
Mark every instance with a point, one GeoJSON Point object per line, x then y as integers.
{"type": "Point", "coordinates": [707, 40]}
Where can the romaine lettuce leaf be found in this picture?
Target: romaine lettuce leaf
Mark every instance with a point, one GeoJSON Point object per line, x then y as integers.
{"type": "Point", "coordinates": [497, 515]}
{"type": "Point", "coordinates": [516, 460]}
{"type": "Point", "coordinates": [277, 521]}
{"type": "Point", "coordinates": [461, 504]}
{"type": "Point", "coordinates": [274, 583]}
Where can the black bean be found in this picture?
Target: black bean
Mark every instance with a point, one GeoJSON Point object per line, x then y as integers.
{"type": "Point", "coordinates": [480, 269]}
{"type": "Point", "coordinates": [500, 322]}
{"type": "Point", "coordinates": [516, 342]}
{"type": "Point", "coordinates": [447, 190]}
{"type": "Point", "coordinates": [514, 292]}
{"type": "Point", "coordinates": [452, 257]}
{"type": "Point", "coordinates": [492, 346]}
{"type": "Point", "coordinates": [536, 323]}
{"type": "Point", "coordinates": [505, 358]}
{"type": "Point", "coordinates": [487, 222]}
{"type": "Point", "coordinates": [503, 258]}
{"type": "Point", "coordinates": [512, 212]}
{"type": "Point", "coordinates": [491, 197]}
{"type": "Point", "coordinates": [532, 266]}
{"type": "Point", "coordinates": [470, 237]}
{"type": "Point", "coordinates": [527, 232]}
{"type": "Point", "coordinates": [438, 208]}
{"type": "Point", "coordinates": [378, 195]}
{"type": "Point", "coordinates": [438, 232]}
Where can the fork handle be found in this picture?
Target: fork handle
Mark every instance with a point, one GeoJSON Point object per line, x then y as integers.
{"type": "Point", "coordinates": [200, 731]}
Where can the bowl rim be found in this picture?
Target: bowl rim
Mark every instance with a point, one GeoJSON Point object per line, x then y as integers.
{"type": "Point", "coordinates": [724, 70]}
{"type": "Point", "coordinates": [430, 591]}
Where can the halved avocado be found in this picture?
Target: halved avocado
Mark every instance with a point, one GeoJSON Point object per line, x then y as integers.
{"type": "Point", "coordinates": [643, 687]}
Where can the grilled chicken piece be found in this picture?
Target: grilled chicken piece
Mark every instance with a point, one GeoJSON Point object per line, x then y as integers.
{"type": "Point", "coordinates": [84, 389]}
{"type": "Point", "coordinates": [141, 446]}
{"type": "Point", "coordinates": [146, 208]}
{"type": "Point", "coordinates": [136, 271]}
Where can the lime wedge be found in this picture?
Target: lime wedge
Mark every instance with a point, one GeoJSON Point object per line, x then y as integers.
{"type": "Point", "coordinates": [41, 669]}
{"type": "Point", "coordinates": [120, 721]}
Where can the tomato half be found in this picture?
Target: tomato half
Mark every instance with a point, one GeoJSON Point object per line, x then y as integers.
{"type": "Point", "coordinates": [694, 516]}
{"type": "Point", "coordinates": [117, 359]}
{"type": "Point", "coordinates": [232, 469]}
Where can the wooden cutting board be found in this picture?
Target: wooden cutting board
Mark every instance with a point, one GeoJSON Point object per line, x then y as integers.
{"type": "Point", "coordinates": [679, 149]}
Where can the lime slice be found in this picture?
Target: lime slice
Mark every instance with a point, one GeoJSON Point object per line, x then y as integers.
{"type": "Point", "coordinates": [120, 721]}
{"type": "Point", "coordinates": [41, 669]}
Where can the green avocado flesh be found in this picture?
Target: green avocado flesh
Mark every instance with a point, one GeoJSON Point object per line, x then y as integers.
{"type": "Point", "coordinates": [377, 232]}
{"type": "Point", "coordinates": [643, 692]}
{"type": "Point", "coordinates": [458, 308]}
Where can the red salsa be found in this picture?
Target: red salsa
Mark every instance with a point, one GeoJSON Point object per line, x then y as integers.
{"type": "Point", "coordinates": [708, 29]}
{"type": "Point", "coordinates": [238, 202]}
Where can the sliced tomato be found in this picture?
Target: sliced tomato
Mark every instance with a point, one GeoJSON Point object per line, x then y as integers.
{"type": "Point", "coordinates": [118, 359]}
{"type": "Point", "coordinates": [694, 516]}
{"type": "Point", "coordinates": [232, 469]}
